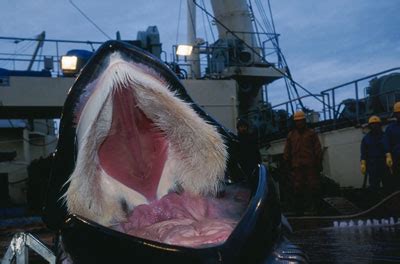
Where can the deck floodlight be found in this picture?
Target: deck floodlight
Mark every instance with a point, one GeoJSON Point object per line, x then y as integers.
{"type": "Point", "coordinates": [74, 61]}
{"type": "Point", "coordinates": [69, 63]}
{"type": "Point", "coordinates": [184, 50]}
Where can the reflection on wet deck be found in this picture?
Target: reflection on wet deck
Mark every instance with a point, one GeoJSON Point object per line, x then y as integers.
{"type": "Point", "coordinates": [367, 244]}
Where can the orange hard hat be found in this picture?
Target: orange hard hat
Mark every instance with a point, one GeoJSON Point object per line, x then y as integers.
{"type": "Point", "coordinates": [374, 119]}
{"type": "Point", "coordinates": [299, 115]}
{"type": "Point", "coordinates": [396, 107]}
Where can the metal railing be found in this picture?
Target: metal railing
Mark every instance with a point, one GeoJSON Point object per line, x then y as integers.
{"type": "Point", "coordinates": [262, 45]}
{"type": "Point", "coordinates": [273, 122]}
{"type": "Point", "coordinates": [260, 51]}
{"type": "Point", "coordinates": [58, 46]}
{"type": "Point", "coordinates": [55, 48]}
{"type": "Point", "coordinates": [330, 109]}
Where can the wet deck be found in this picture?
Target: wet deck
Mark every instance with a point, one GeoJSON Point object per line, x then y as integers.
{"type": "Point", "coordinates": [367, 244]}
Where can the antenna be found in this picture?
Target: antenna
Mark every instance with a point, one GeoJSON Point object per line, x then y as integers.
{"type": "Point", "coordinates": [88, 18]}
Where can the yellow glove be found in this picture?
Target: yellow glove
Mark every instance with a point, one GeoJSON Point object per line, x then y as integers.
{"type": "Point", "coordinates": [389, 160]}
{"type": "Point", "coordinates": [363, 167]}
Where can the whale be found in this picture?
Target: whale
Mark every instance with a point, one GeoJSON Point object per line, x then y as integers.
{"type": "Point", "coordinates": [142, 174]}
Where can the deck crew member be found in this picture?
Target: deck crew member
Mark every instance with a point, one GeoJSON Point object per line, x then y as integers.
{"type": "Point", "coordinates": [392, 147]}
{"type": "Point", "coordinates": [373, 155]}
{"type": "Point", "coordinates": [303, 156]}
{"type": "Point", "coordinates": [249, 154]}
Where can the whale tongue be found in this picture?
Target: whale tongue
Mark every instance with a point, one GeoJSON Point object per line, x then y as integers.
{"type": "Point", "coordinates": [188, 220]}
{"type": "Point", "coordinates": [135, 150]}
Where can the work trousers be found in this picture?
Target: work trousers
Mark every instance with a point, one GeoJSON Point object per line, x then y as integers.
{"type": "Point", "coordinates": [306, 188]}
{"type": "Point", "coordinates": [305, 178]}
{"type": "Point", "coordinates": [377, 173]}
{"type": "Point", "coordinates": [395, 174]}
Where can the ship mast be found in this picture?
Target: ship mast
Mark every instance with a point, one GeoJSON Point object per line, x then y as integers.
{"type": "Point", "coordinates": [194, 57]}
{"type": "Point", "coordinates": [246, 63]}
{"type": "Point", "coordinates": [234, 15]}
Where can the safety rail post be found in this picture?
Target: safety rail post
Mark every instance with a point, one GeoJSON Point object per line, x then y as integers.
{"type": "Point", "coordinates": [323, 105]}
{"type": "Point", "coordinates": [334, 107]}
{"type": "Point", "coordinates": [357, 103]}
{"type": "Point", "coordinates": [328, 99]}
{"type": "Point", "coordinates": [208, 51]}
{"type": "Point", "coordinates": [58, 60]}
{"type": "Point", "coordinates": [163, 52]}
{"type": "Point", "coordinates": [329, 104]}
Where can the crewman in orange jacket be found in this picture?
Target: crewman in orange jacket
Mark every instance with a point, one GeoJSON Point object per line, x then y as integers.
{"type": "Point", "coordinates": [303, 155]}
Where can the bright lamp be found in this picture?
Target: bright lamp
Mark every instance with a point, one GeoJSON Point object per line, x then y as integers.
{"type": "Point", "coordinates": [184, 50]}
{"type": "Point", "coordinates": [69, 63]}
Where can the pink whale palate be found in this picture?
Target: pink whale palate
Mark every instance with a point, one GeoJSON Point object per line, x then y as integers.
{"type": "Point", "coordinates": [188, 220]}
{"type": "Point", "coordinates": [135, 150]}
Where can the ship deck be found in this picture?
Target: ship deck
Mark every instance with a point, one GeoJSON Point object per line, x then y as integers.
{"type": "Point", "coordinates": [368, 244]}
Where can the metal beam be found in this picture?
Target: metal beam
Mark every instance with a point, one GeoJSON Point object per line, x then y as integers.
{"type": "Point", "coordinates": [19, 246]}
{"type": "Point", "coordinates": [40, 38]}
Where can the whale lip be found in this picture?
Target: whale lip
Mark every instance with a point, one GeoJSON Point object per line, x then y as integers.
{"type": "Point", "coordinates": [258, 222]}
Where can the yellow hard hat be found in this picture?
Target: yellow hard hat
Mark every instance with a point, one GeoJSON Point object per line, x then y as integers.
{"type": "Point", "coordinates": [374, 119]}
{"type": "Point", "coordinates": [299, 115]}
{"type": "Point", "coordinates": [396, 107]}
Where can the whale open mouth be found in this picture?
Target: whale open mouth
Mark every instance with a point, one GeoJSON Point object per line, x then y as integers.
{"type": "Point", "coordinates": [147, 164]}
